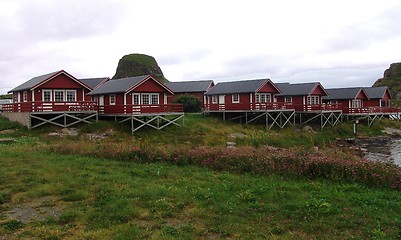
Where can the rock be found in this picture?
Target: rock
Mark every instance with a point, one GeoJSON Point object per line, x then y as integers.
{"type": "Point", "coordinates": [230, 144]}
{"type": "Point", "coordinates": [391, 79]}
{"type": "Point", "coordinates": [392, 131]}
{"type": "Point", "coordinates": [350, 140]}
{"type": "Point", "coordinates": [133, 65]}
{"type": "Point", "coordinates": [308, 128]}
{"type": "Point", "coordinates": [71, 132]}
{"type": "Point", "coordinates": [7, 131]}
{"type": "Point", "coordinates": [237, 135]}
{"type": "Point", "coordinates": [55, 134]}
{"type": "Point", "coordinates": [7, 140]}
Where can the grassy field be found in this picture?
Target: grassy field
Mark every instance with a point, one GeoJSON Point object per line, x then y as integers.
{"type": "Point", "coordinates": [55, 196]}
{"type": "Point", "coordinates": [48, 195]}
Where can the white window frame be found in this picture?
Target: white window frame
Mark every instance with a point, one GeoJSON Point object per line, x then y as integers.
{"type": "Point", "coordinates": [70, 91]}
{"type": "Point", "coordinates": [313, 100]}
{"type": "Point", "coordinates": [288, 99]}
{"type": "Point", "coordinates": [25, 96]}
{"type": "Point", "coordinates": [112, 99]}
{"type": "Point", "coordinates": [263, 98]}
{"type": "Point", "coordinates": [154, 99]}
{"type": "Point", "coordinates": [356, 103]}
{"type": "Point", "coordinates": [56, 92]}
{"type": "Point", "coordinates": [50, 95]}
{"type": "Point", "coordinates": [214, 99]}
{"type": "Point", "coordinates": [235, 98]}
{"type": "Point", "coordinates": [136, 99]}
{"type": "Point", "coordinates": [145, 99]}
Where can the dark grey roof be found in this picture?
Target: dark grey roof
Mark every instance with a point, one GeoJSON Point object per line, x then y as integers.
{"type": "Point", "coordinates": [118, 85]}
{"type": "Point", "coordinates": [190, 86]}
{"type": "Point", "coordinates": [342, 93]}
{"type": "Point", "coordinates": [376, 92]}
{"type": "Point", "coordinates": [33, 82]}
{"type": "Point", "coordinates": [247, 86]}
{"type": "Point", "coordinates": [296, 89]}
{"type": "Point", "coordinates": [93, 82]}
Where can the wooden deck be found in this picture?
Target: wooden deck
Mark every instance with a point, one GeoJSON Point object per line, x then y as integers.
{"type": "Point", "coordinates": [81, 106]}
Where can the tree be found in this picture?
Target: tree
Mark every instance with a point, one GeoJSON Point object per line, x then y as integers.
{"type": "Point", "coordinates": [190, 102]}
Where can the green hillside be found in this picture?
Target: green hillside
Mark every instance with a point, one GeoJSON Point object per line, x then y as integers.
{"type": "Point", "coordinates": [133, 65]}
{"type": "Point", "coordinates": [392, 79]}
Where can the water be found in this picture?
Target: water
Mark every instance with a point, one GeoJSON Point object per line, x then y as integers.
{"type": "Point", "coordinates": [384, 150]}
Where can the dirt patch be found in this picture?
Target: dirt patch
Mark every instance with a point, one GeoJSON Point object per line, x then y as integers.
{"type": "Point", "coordinates": [36, 210]}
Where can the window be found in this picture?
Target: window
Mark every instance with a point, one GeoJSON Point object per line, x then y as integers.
{"type": "Point", "coordinates": [154, 99]}
{"type": "Point", "coordinates": [58, 95]}
{"type": "Point", "coordinates": [112, 99]}
{"type": "Point", "coordinates": [356, 103]}
{"type": "Point", "coordinates": [333, 102]}
{"type": "Point", "coordinates": [214, 99]}
{"type": "Point", "coordinates": [145, 99]}
{"type": "Point", "coordinates": [47, 96]}
{"type": "Point", "coordinates": [135, 99]}
{"type": "Point", "coordinates": [235, 98]}
{"type": "Point", "coordinates": [25, 96]}
{"type": "Point", "coordinates": [71, 96]}
{"type": "Point", "coordinates": [288, 99]}
{"type": "Point", "coordinates": [262, 98]}
{"type": "Point", "coordinates": [313, 100]}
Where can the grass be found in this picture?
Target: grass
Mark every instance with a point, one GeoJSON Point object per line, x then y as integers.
{"type": "Point", "coordinates": [102, 198]}
{"type": "Point", "coordinates": [106, 199]}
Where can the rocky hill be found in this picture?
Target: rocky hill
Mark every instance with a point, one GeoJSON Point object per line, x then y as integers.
{"type": "Point", "coordinates": [392, 79]}
{"type": "Point", "coordinates": [133, 65]}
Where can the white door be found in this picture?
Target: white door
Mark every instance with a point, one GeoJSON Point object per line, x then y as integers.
{"type": "Point", "coordinates": [221, 102]}
{"type": "Point", "coordinates": [221, 99]}
{"type": "Point", "coordinates": [101, 100]}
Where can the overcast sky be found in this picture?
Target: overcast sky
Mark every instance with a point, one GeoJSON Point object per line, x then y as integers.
{"type": "Point", "coordinates": [339, 43]}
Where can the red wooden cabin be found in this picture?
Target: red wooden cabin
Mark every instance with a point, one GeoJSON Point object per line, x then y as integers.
{"type": "Point", "coordinates": [378, 97]}
{"type": "Point", "coordinates": [53, 92]}
{"type": "Point", "coordinates": [352, 99]}
{"type": "Point", "coordinates": [248, 95]}
{"type": "Point", "coordinates": [195, 88]}
{"type": "Point", "coordinates": [134, 95]}
{"type": "Point", "coordinates": [303, 97]}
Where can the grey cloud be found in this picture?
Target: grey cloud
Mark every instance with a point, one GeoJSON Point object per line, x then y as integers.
{"type": "Point", "coordinates": [62, 20]}
{"type": "Point", "coordinates": [357, 37]}
{"type": "Point", "coordinates": [339, 77]}
{"type": "Point", "coordinates": [34, 24]}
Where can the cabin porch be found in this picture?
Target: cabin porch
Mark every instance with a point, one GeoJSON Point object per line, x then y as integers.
{"type": "Point", "coordinates": [62, 114]}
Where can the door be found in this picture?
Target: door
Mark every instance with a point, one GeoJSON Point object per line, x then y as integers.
{"type": "Point", "coordinates": [101, 104]}
{"type": "Point", "coordinates": [222, 102]}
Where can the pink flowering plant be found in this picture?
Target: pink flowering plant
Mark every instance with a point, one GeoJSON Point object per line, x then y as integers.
{"type": "Point", "coordinates": [289, 163]}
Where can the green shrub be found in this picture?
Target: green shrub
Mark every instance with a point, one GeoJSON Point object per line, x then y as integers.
{"type": "Point", "coordinates": [190, 102]}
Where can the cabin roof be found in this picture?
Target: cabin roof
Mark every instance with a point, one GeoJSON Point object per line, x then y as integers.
{"type": "Point", "coordinates": [376, 92]}
{"type": "Point", "coordinates": [245, 86]}
{"type": "Point", "coordinates": [298, 89]}
{"type": "Point", "coordinates": [93, 82]}
{"type": "Point", "coordinates": [39, 80]}
{"type": "Point", "coordinates": [343, 93]}
{"type": "Point", "coordinates": [124, 85]}
{"type": "Point", "coordinates": [118, 85]}
{"type": "Point", "coordinates": [190, 86]}
{"type": "Point", "coordinates": [33, 82]}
